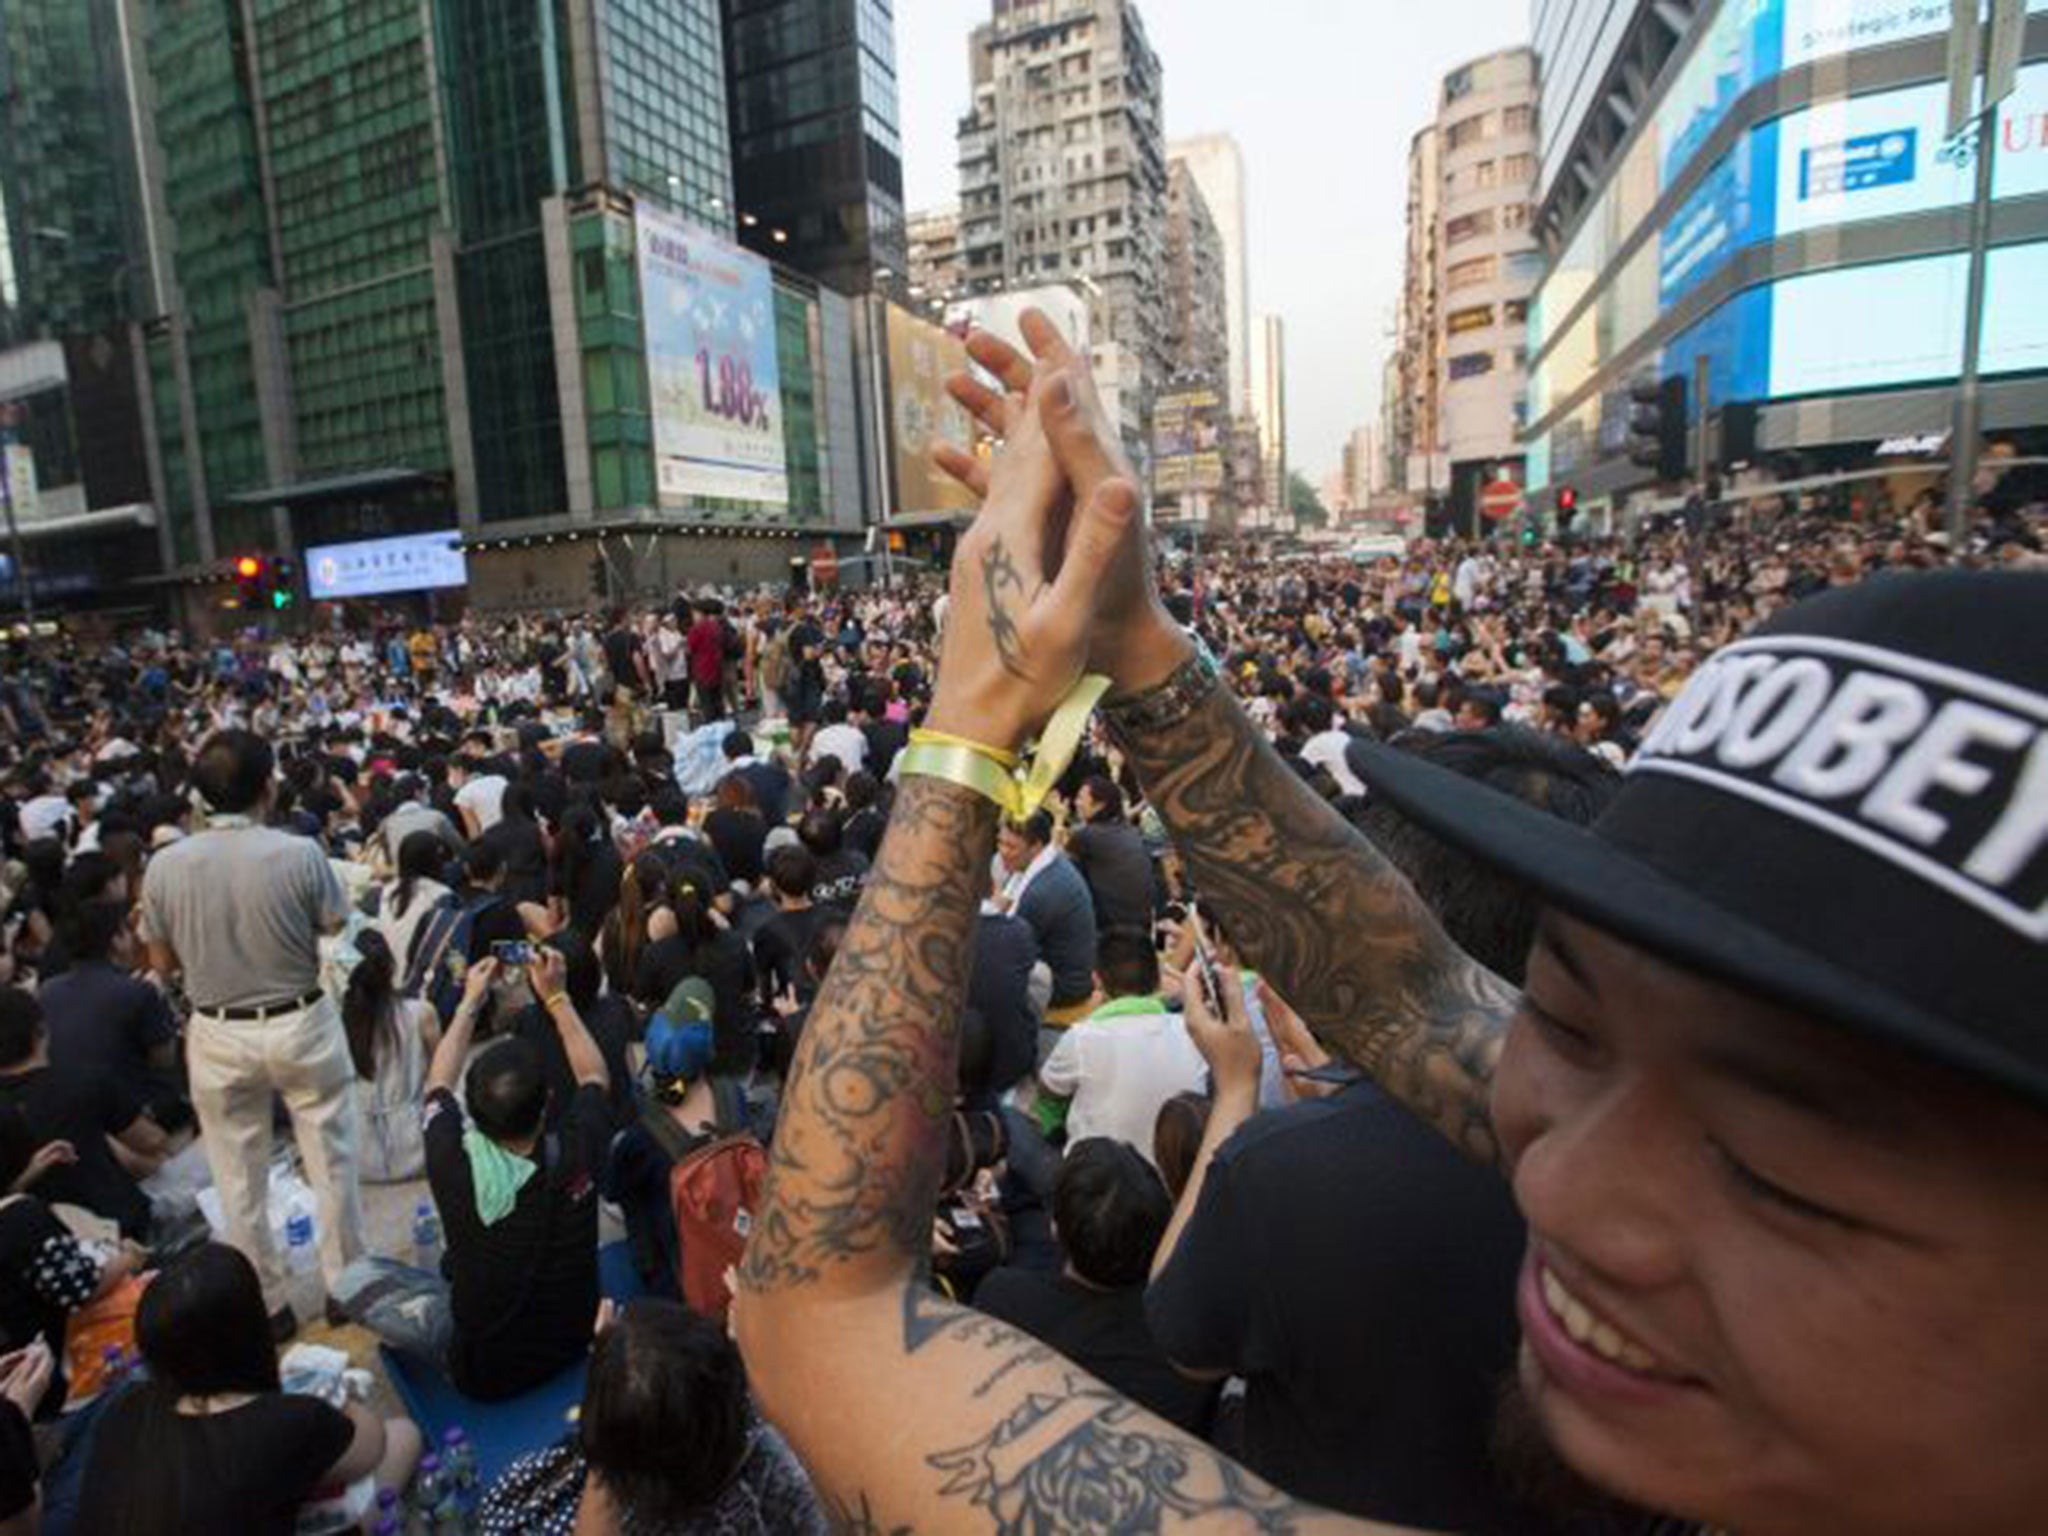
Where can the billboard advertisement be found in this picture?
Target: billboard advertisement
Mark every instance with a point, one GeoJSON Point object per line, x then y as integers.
{"type": "Point", "coordinates": [922, 415]}
{"type": "Point", "coordinates": [714, 384]}
{"type": "Point", "coordinates": [420, 562]}
{"type": "Point", "coordinates": [1188, 431]}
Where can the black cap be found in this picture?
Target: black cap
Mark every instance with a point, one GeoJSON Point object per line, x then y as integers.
{"type": "Point", "coordinates": [1846, 812]}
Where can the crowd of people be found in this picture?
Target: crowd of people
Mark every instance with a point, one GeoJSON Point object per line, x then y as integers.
{"type": "Point", "coordinates": [540, 911]}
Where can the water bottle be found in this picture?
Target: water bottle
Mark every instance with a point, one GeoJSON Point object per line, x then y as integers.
{"type": "Point", "coordinates": [388, 1508]}
{"type": "Point", "coordinates": [426, 1237]}
{"type": "Point", "coordinates": [113, 1369]}
{"type": "Point", "coordinates": [429, 1493]}
{"type": "Point", "coordinates": [302, 1264]}
{"type": "Point", "coordinates": [459, 1457]}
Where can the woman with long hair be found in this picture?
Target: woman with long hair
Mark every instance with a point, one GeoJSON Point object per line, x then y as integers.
{"type": "Point", "coordinates": [390, 1040]}
{"type": "Point", "coordinates": [587, 869]}
{"type": "Point", "coordinates": [642, 890]}
{"type": "Point", "coordinates": [211, 1442]}
{"type": "Point", "coordinates": [416, 890]}
{"type": "Point", "coordinates": [737, 829]}
{"type": "Point", "coordinates": [688, 938]}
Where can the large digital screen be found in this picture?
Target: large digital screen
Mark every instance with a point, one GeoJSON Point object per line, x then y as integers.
{"type": "Point", "coordinates": [708, 309]}
{"type": "Point", "coordinates": [922, 415]}
{"type": "Point", "coordinates": [420, 562]}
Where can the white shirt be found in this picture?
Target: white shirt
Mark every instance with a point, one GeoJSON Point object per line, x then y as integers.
{"type": "Point", "coordinates": [1327, 751]}
{"type": "Point", "coordinates": [484, 797]}
{"type": "Point", "coordinates": [43, 817]}
{"type": "Point", "coordinates": [844, 742]}
{"type": "Point", "coordinates": [1119, 1067]}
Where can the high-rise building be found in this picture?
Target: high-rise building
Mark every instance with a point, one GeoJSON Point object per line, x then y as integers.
{"type": "Point", "coordinates": [1217, 165]}
{"type": "Point", "coordinates": [1487, 269]}
{"type": "Point", "coordinates": [1415, 441]}
{"type": "Point", "coordinates": [1197, 319]}
{"type": "Point", "coordinates": [1766, 198]}
{"type": "Point", "coordinates": [816, 152]}
{"type": "Point", "coordinates": [1063, 165]}
{"type": "Point", "coordinates": [938, 269]}
{"type": "Point", "coordinates": [1269, 406]}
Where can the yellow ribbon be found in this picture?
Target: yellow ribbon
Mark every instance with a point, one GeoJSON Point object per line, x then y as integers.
{"type": "Point", "coordinates": [1017, 788]}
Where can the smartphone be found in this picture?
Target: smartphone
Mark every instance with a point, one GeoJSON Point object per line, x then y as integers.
{"type": "Point", "coordinates": [1205, 964]}
{"type": "Point", "coordinates": [512, 951]}
{"type": "Point", "coordinates": [1335, 1074]}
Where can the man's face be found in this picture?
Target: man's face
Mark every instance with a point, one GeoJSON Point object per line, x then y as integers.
{"type": "Point", "coordinates": [1779, 1279]}
{"type": "Point", "coordinates": [1016, 849]}
{"type": "Point", "coordinates": [1470, 718]}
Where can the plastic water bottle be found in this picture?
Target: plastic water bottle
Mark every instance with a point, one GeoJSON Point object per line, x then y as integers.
{"type": "Point", "coordinates": [429, 1494]}
{"type": "Point", "coordinates": [458, 1457]}
{"type": "Point", "coordinates": [426, 1238]}
{"type": "Point", "coordinates": [302, 1264]}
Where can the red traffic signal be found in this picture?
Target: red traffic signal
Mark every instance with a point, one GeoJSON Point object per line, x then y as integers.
{"type": "Point", "coordinates": [248, 567]}
{"type": "Point", "coordinates": [1568, 499]}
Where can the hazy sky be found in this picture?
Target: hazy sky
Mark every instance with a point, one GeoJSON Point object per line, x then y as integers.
{"type": "Point", "coordinates": [1323, 96]}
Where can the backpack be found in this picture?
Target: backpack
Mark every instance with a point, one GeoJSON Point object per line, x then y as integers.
{"type": "Point", "coordinates": [438, 960]}
{"type": "Point", "coordinates": [713, 1193]}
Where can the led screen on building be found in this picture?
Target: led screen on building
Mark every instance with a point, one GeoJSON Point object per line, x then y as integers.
{"type": "Point", "coordinates": [421, 562]}
{"type": "Point", "coordinates": [714, 383]}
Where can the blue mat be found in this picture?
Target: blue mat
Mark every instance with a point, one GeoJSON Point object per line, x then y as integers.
{"type": "Point", "coordinates": [503, 1432]}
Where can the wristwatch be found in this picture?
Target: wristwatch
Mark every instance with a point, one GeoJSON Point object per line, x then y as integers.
{"type": "Point", "coordinates": [1166, 704]}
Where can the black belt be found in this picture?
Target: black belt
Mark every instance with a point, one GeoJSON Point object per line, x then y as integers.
{"type": "Point", "coordinates": [261, 1011]}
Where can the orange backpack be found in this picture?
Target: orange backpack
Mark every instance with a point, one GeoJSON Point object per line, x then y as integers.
{"type": "Point", "coordinates": [713, 1194]}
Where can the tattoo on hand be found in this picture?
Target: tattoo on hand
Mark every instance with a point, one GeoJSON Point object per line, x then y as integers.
{"type": "Point", "coordinates": [999, 575]}
{"type": "Point", "coordinates": [1311, 904]}
{"type": "Point", "coordinates": [852, 1175]}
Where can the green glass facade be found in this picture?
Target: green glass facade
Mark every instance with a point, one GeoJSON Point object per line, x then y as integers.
{"type": "Point", "coordinates": [661, 64]}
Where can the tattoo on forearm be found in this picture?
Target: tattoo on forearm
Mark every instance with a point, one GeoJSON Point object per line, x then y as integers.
{"type": "Point", "coordinates": [854, 1172]}
{"type": "Point", "coordinates": [1310, 903]}
{"type": "Point", "coordinates": [1079, 1458]}
{"type": "Point", "coordinates": [1001, 583]}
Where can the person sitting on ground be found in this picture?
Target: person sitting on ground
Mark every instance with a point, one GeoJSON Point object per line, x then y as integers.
{"type": "Point", "coordinates": [104, 1021]}
{"type": "Point", "coordinates": [689, 938]}
{"type": "Point", "coordinates": [1035, 881]}
{"type": "Point", "coordinates": [46, 1274]}
{"type": "Point", "coordinates": [687, 1108]}
{"type": "Point", "coordinates": [667, 1440]}
{"type": "Point", "coordinates": [781, 941]}
{"type": "Point", "coordinates": [736, 828]}
{"type": "Point", "coordinates": [1112, 1071]}
{"type": "Point", "coordinates": [770, 779]}
{"type": "Point", "coordinates": [211, 1441]}
{"type": "Point", "coordinates": [406, 901]}
{"type": "Point", "coordinates": [390, 1039]}
{"type": "Point", "coordinates": [609, 1017]}
{"type": "Point", "coordinates": [1112, 857]}
{"type": "Point", "coordinates": [841, 871]}
{"type": "Point", "coordinates": [116, 1143]}
{"type": "Point", "coordinates": [1109, 1210]}
{"type": "Point", "coordinates": [521, 1287]}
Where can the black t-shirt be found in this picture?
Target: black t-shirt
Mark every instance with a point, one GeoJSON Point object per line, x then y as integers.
{"type": "Point", "coordinates": [864, 831]}
{"type": "Point", "coordinates": [610, 1021]}
{"type": "Point", "coordinates": [84, 1109]}
{"type": "Point", "coordinates": [738, 836]}
{"type": "Point", "coordinates": [526, 858]}
{"type": "Point", "coordinates": [780, 946]}
{"type": "Point", "coordinates": [726, 965]}
{"type": "Point", "coordinates": [1360, 1275]}
{"type": "Point", "coordinates": [590, 762]}
{"type": "Point", "coordinates": [1104, 1333]}
{"type": "Point", "coordinates": [524, 1288]}
{"type": "Point", "coordinates": [885, 739]}
{"type": "Point", "coordinates": [597, 889]}
{"type": "Point", "coordinates": [1112, 858]}
{"type": "Point", "coordinates": [839, 880]}
{"type": "Point", "coordinates": [770, 783]}
{"type": "Point", "coordinates": [158, 1472]}
{"type": "Point", "coordinates": [45, 1276]}
{"type": "Point", "coordinates": [105, 1022]}
{"type": "Point", "coordinates": [620, 648]}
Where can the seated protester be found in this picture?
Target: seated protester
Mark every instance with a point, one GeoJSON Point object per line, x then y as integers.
{"type": "Point", "coordinates": [667, 1441]}
{"type": "Point", "coordinates": [736, 828]}
{"type": "Point", "coordinates": [770, 780]}
{"type": "Point", "coordinates": [519, 1209]}
{"type": "Point", "coordinates": [867, 816]}
{"type": "Point", "coordinates": [408, 899]}
{"type": "Point", "coordinates": [840, 870]}
{"type": "Point", "coordinates": [688, 940]}
{"type": "Point", "coordinates": [588, 758]}
{"type": "Point", "coordinates": [886, 736]}
{"type": "Point", "coordinates": [999, 989]}
{"type": "Point", "coordinates": [780, 942]}
{"type": "Point", "coordinates": [587, 869]}
{"type": "Point", "coordinates": [46, 1274]}
{"type": "Point", "coordinates": [412, 814]}
{"type": "Point", "coordinates": [1035, 881]}
{"type": "Point", "coordinates": [211, 1441]}
{"type": "Point", "coordinates": [840, 740]}
{"type": "Point", "coordinates": [103, 1020]}
{"type": "Point", "coordinates": [479, 792]}
{"type": "Point", "coordinates": [116, 1143]}
{"type": "Point", "coordinates": [607, 1016]}
{"type": "Point", "coordinates": [486, 894]}
{"type": "Point", "coordinates": [1109, 1210]}
{"type": "Point", "coordinates": [782, 1022]}
{"type": "Point", "coordinates": [1112, 857]}
{"type": "Point", "coordinates": [1115, 1068]}
{"type": "Point", "coordinates": [390, 1039]}
{"type": "Point", "coordinates": [642, 891]}
{"type": "Point", "coordinates": [24, 1379]}
{"type": "Point", "coordinates": [686, 1108]}
{"type": "Point", "coordinates": [521, 846]}
{"type": "Point", "coordinates": [1335, 1412]}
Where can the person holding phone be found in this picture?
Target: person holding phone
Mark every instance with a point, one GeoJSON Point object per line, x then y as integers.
{"type": "Point", "coordinates": [518, 1289]}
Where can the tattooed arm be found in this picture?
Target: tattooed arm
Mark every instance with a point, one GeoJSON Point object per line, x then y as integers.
{"type": "Point", "coordinates": [912, 1413]}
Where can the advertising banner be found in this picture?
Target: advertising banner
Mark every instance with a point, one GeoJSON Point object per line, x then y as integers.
{"type": "Point", "coordinates": [1187, 443]}
{"type": "Point", "coordinates": [922, 415]}
{"type": "Point", "coordinates": [713, 379]}
{"type": "Point", "coordinates": [418, 562]}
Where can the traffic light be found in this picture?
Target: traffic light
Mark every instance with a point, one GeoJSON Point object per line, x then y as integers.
{"type": "Point", "coordinates": [284, 583]}
{"type": "Point", "coordinates": [1739, 420]}
{"type": "Point", "coordinates": [1567, 505]}
{"type": "Point", "coordinates": [249, 584]}
{"type": "Point", "coordinates": [1659, 431]}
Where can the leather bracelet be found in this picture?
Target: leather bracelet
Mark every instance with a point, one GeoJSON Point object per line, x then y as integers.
{"type": "Point", "coordinates": [1186, 689]}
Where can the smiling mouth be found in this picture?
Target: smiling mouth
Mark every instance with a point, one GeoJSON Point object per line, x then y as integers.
{"type": "Point", "coordinates": [1591, 1331]}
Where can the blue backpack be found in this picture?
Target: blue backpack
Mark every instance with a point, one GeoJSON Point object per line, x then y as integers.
{"type": "Point", "coordinates": [438, 961]}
